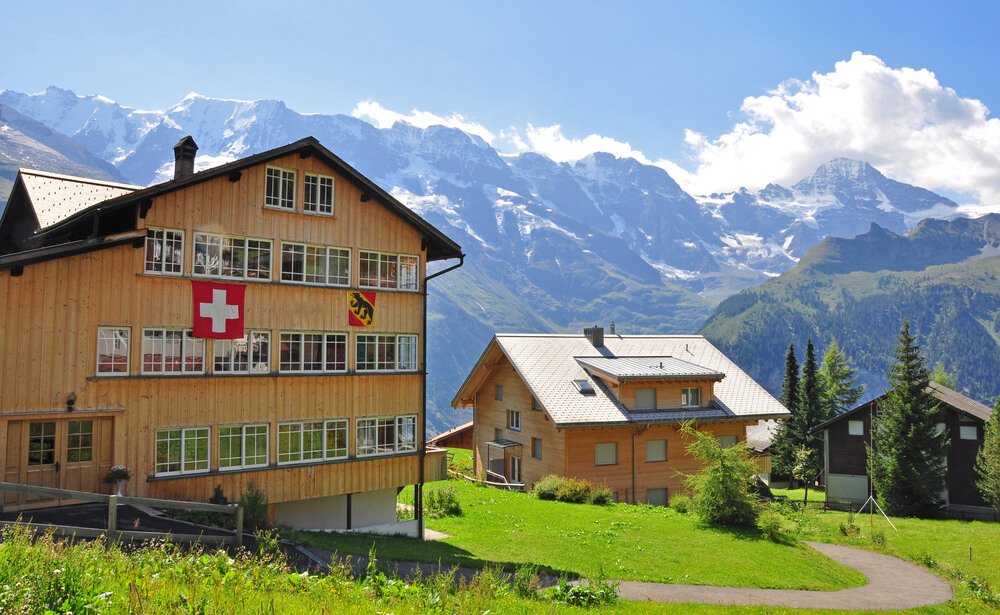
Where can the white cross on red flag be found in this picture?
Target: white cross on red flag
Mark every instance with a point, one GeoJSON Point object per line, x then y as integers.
{"type": "Point", "coordinates": [218, 310]}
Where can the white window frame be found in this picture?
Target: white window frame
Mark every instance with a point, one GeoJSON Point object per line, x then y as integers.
{"type": "Point", "coordinates": [116, 336]}
{"type": "Point", "coordinates": [186, 434]}
{"type": "Point", "coordinates": [326, 338]}
{"type": "Point", "coordinates": [969, 432]}
{"type": "Point", "coordinates": [157, 239]}
{"type": "Point", "coordinates": [214, 242]}
{"type": "Point", "coordinates": [404, 268]}
{"type": "Point", "coordinates": [645, 391]}
{"type": "Point", "coordinates": [311, 253]}
{"type": "Point", "coordinates": [686, 397]}
{"type": "Point", "coordinates": [515, 469]}
{"type": "Point", "coordinates": [340, 425]}
{"type": "Point", "coordinates": [242, 436]}
{"type": "Point", "coordinates": [301, 431]}
{"type": "Point", "coordinates": [318, 206]}
{"type": "Point", "coordinates": [187, 340]}
{"type": "Point", "coordinates": [377, 441]}
{"type": "Point", "coordinates": [513, 419]}
{"type": "Point", "coordinates": [855, 428]}
{"type": "Point", "coordinates": [399, 343]}
{"type": "Point", "coordinates": [257, 361]}
{"type": "Point", "coordinates": [607, 448]}
{"type": "Point", "coordinates": [283, 176]}
{"type": "Point", "coordinates": [653, 458]}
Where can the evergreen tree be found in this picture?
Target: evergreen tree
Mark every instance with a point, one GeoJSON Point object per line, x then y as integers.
{"type": "Point", "coordinates": [988, 460]}
{"type": "Point", "coordinates": [908, 453]}
{"type": "Point", "coordinates": [783, 446]}
{"type": "Point", "coordinates": [838, 382]}
{"type": "Point", "coordinates": [811, 412]}
{"type": "Point", "coordinates": [941, 376]}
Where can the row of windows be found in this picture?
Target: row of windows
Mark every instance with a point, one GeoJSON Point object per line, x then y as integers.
{"type": "Point", "coordinates": [645, 398]}
{"type": "Point", "coordinates": [246, 258]}
{"type": "Point", "coordinates": [175, 351]}
{"type": "Point", "coordinates": [186, 450]}
{"type": "Point", "coordinates": [965, 432]}
{"type": "Point", "coordinates": [279, 191]}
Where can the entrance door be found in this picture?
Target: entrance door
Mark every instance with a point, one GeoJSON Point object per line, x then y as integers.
{"type": "Point", "coordinates": [42, 465]}
{"type": "Point", "coordinates": [515, 470]}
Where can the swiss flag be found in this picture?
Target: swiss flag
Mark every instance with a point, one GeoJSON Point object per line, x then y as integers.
{"type": "Point", "coordinates": [218, 310]}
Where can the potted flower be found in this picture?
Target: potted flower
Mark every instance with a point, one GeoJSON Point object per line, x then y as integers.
{"type": "Point", "coordinates": [118, 476]}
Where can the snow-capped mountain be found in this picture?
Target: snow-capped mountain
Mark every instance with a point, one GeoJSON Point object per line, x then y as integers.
{"type": "Point", "coordinates": [550, 245]}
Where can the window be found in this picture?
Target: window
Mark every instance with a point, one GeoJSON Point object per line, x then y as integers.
{"type": "Point", "coordinates": [968, 432]}
{"type": "Point", "coordinates": [243, 446]}
{"type": "Point", "coordinates": [41, 443]}
{"type": "Point", "coordinates": [514, 420]}
{"type": "Point", "coordinates": [249, 354]}
{"type": "Point", "coordinates": [727, 441]}
{"type": "Point", "coordinates": [856, 428]}
{"type": "Point", "coordinates": [606, 453]}
{"type": "Point", "coordinates": [381, 270]}
{"type": "Point", "coordinates": [657, 496]}
{"type": "Point", "coordinates": [535, 404]}
{"type": "Point", "coordinates": [335, 446]}
{"type": "Point", "coordinates": [80, 443]}
{"type": "Point", "coordinates": [387, 435]}
{"type": "Point", "coordinates": [319, 194]}
{"type": "Point", "coordinates": [182, 450]}
{"type": "Point", "coordinates": [313, 352]}
{"type": "Point", "coordinates": [164, 251]}
{"type": "Point", "coordinates": [112, 350]}
{"type": "Point", "coordinates": [498, 392]}
{"type": "Point", "coordinates": [386, 352]}
{"type": "Point", "coordinates": [645, 399]}
{"type": "Point", "coordinates": [280, 188]}
{"type": "Point", "coordinates": [172, 351]}
{"type": "Point", "coordinates": [656, 450]}
{"type": "Point", "coordinates": [536, 448]}
{"type": "Point", "coordinates": [312, 440]}
{"type": "Point", "coordinates": [584, 387]}
{"type": "Point", "coordinates": [314, 264]}
{"type": "Point", "coordinates": [237, 258]}
{"type": "Point", "coordinates": [690, 396]}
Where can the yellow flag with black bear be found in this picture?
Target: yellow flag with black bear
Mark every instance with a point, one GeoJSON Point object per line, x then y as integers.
{"type": "Point", "coordinates": [361, 308]}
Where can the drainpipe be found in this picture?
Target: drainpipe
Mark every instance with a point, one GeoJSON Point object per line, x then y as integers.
{"type": "Point", "coordinates": [418, 491]}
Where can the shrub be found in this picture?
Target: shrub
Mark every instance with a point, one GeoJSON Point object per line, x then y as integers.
{"type": "Point", "coordinates": [526, 582]}
{"type": "Point", "coordinates": [681, 503]}
{"type": "Point", "coordinates": [547, 487]}
{"type": "Point", "coordinates": [776, 527]}
{"type": "Point", "coordinates": [722, 487]}
{"type": "Point", "coordinates": [595, 593]}
{"type": "Point", "coordinates": [575, 490]}
{"type": "Point", "coordinates": [602, 496]}
{"type": "Point", "coordinates": [878, 538]}
{"type": "Point", "coordinates": [850, 528]}
{"type": "Point", "coordinates": [443, 502]}
{"type": "Point", "coordinates": [254, 504]}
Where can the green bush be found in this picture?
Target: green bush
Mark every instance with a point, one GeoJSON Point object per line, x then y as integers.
{"type": "Point", "coordinates": [443, 502]}
{"type": "Point", "coordinates": [574, 490]}
{"type": "Point", "coordinates": [526, 582]}
{"type": "Point", "coordinates": [546, 488]}
{"type": "Point", "coordinates": [681, 503]}
{"type": "Point", "coordinates": [254, 504]}
{"type": "Point", "coordinates": [850, 528]}
{"type": "Point", "coordinates": [602, 496]}
{"type": "Point", "coordinates": [595, 593]}
{"type": "Point", "coordinates": [722, 486]}
{"type": "Point", "coordinates": [775, 527]}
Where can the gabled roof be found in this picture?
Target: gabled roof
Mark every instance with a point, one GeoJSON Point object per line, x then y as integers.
{"type": "Point", "coordinates": [622, 369]}
{"type": "Point", "coordinates": [548, 365]}
{"type": "Point", "coordinates": [56, 197]}
{"type": "Point", "coordinates": [943, 394]}
{"type": "Point", "coordinates": [439, 246]}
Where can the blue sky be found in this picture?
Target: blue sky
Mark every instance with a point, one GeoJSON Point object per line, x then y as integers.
{"type": "Point", "coordinates": [654, 75]}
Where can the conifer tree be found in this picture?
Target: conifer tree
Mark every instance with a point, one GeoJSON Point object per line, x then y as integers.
{"type": "Point", "coordinates": [941, 376]}
{"type": "Point", "coordinates": [790, 385]}
{"type": "Point", "coordinates": [838, 382]}
{"type": "Point", "coordinates": [783, 447]}
{"type": "Point", "coordinates": [811, 411]}
{"type": "Point", "coordinates": [908, 453]}
{"type": "Point", "coordinates": [988, 460]}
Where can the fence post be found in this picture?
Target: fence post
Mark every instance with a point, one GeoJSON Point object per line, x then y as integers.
{"type": "Point", "coordinates": [112, 515]}
{"type": "Point", "coordinates": [239, 525]}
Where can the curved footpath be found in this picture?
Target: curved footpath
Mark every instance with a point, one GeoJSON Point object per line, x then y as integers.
{"type": "Point", "coordinates": [892, 584]}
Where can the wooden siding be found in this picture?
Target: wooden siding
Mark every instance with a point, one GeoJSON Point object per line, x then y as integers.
{"type": "Point", "coordinates": [51, 313]}
{"type": "Point", "coordinates": [849, 454]}
{"type": "Point", "coordinates": [581, 445]}
{"type": "Point", "coordinates": [668, 394]}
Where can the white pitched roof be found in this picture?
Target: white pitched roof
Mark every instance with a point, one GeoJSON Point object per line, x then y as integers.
{"type": "Point", "coordinates": [548, 364]}
{"type": "Point", "coordinates": [57, 197]}
{"type": "Point", "coordinates": [646, 368]}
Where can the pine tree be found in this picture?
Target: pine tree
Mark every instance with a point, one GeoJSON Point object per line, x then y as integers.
{"type": "Point", "coordinates": [941, 376]}
{"type": "Point", "coordinates": [908, 453]}
{"type": "Point", "coordinates": [783, 447]}
{"type": "Point", "coordinates": [811, 411]}
{"type": "Point", "coordinates": [988, 460]}
{"type": "Point", "coordinates": [838, 382]}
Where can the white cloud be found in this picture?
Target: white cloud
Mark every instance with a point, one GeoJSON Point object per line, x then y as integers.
{"type": "Point", "coordinates": [380, 117]}
{"type": "Point", "coordinates": [901, 120]}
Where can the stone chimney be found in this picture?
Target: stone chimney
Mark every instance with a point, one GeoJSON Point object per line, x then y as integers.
{"type": "Point", "coordinates": [596, 336]}
{"type": "Point", "coordinates": [184, 153]}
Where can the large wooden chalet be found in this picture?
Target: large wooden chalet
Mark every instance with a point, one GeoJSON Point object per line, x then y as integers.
{"type": "Point", "coordinates": [262, 321]}
{"type": "Point", "coordinates": [606, 408]}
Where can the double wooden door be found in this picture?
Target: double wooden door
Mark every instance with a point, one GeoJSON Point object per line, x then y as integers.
{"type": "Point", "coordinates": [65, 453]}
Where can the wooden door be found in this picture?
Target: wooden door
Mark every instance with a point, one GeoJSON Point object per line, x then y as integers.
{"type": "Point", "coordinates": [86, 454]}
{"type": "Point", "coordinates": [42, 465]}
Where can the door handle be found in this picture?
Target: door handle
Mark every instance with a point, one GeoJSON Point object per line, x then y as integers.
{"type": "Point", "coordinates": [58, 465]}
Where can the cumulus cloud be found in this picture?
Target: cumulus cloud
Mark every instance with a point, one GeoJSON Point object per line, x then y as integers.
{"type": "Point", "coordinates": [380, 117]}
{"type": "Point", "coordinates": [901, 120]}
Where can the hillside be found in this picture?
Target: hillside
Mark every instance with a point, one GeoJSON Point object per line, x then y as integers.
{"type": "Point", "coordinates": [943, 276]}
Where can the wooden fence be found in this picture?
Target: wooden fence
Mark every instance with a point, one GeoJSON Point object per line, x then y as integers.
{"type": "Point", "coordinates": [114, 501]}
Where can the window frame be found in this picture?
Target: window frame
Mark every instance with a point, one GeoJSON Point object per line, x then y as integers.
{"type": "Point", "coordinates": [686, 397]}
{"type": "Point", "coordinates": [536, 448]}
{"type": "Point", "coordinates": [666, 451]}
{"type": "Point", "coordinates": [187, 337]}
{"type": "Point", "coordinates": [319, 190]}
{"type": "Point", "coordinates": [182, 450]}
{"type": "Point", "coordinates": [651, 391]}
{"type": "Point", "coordinates": [380, 425]}
{"type": "Point", "coordinates": [319, 253]}
{"type": "Point", "coordinates": [851, 424]}
{"type": "Point", "coordinates": [251, 354]}
{"type": "Point", "coordinates": [367, 343]}
{"type": "Point", "coordinates": [964, 430]}
{"type": "Point", "coordinates": [243, 436]}
{"type": "Point", "coordinates": [246, 270]}
{"type": "Point", "coordinates": [324, 342]}
{"type": "Point", "coordinates": [282, 186]}
{"type": "Point", "coordinates": [405, 270]}
{"type": "Point", "coordinates": [597, 453]}
{"type": "Point", "coordinates": [498, 392]}
{"type": "Point", "coordinates": [161, 242]}
{"type": "Point", "coordinates": [84, 441]}
{"type": "Point", "coordinates": [128, 351]}
{"type": "Point", "coordinates": [513, 419]}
